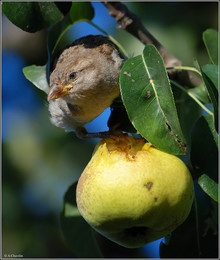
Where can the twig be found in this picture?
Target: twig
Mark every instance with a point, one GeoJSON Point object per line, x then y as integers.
{"type": "Point", "coordinates": [128, 21]}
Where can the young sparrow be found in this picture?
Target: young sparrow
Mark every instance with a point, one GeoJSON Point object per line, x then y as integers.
{"type": "Point", "coordinates": [84, 82]}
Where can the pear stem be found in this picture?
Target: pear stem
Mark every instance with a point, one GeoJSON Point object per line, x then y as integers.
{"type": "Point", "coordinates": [184, 68]}
{"type": "Point", "coordinates": [192, 96]}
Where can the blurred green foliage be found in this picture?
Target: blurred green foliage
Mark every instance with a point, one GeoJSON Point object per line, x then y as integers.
{"type": "Point", "coordinates": [39, 161]}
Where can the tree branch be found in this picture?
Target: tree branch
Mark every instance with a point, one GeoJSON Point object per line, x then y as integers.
{"type": "Point", "coordinates": [128, 21]}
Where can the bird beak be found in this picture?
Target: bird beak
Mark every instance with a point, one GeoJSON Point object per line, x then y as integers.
{"type": "Point", "coordinates": [57, 91]}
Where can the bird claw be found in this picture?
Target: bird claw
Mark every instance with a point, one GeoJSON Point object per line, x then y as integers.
{"type": "Point", "coordinates": [82, 133]}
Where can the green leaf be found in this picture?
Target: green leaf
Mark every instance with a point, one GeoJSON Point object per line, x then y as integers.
{"type": "Point", "coordinates": [64, 7]}
{"type": "Point", "coordinates": [77, 232]}
{"type": "Point", "coordinates": [210, 78]}
{"type": "Point", "coordinates": [210, 38]}
{"type": "Point", "coordinates": [201, 93]}
{"type": "Point", "coordinates": [55, 34]}
{"type": "Point", "coordinates": [32, 16]}
{"type": "Point", "coordinates": [212, 72]}
{"type": "Point", "coordinates": [37, 76]}
{"type": "Point", "coordinates": [209, 186]}
{"type": "Point", "coordinates": [189, 112]}
{"type": "Point", "coordinates": [204, 148]}
{"type": "Point", "coordinates": [197, 236]}
{"type": "Point", "coordinates": [79, 11]}
{"type": "Point", "coordinates": [148, 99]}
{"type": "Point", "coordinates": [50, 12]}
{"type": "Point", "coordinates": [181, 243]}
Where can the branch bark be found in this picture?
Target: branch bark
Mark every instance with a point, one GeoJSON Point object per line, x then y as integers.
{"type": "Point", "coordinates": [128, 21]}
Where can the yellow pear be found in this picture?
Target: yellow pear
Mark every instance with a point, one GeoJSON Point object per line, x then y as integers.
{"type": "Point", "coordinates": [132, 193]}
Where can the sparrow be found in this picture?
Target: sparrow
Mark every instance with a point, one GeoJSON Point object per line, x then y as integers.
{"type": "Point", "coordinates": [84, 82]}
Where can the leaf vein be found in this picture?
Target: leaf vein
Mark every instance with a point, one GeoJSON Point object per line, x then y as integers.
{"type": "Point", "coordinates": [153, 86]}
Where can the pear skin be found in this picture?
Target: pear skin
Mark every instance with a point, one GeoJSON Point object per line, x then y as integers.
{"type": "Point", "coordinates": [133, 193]}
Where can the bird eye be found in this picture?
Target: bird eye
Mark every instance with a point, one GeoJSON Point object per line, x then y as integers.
{"type": "Point", "coordinates": [72, 75]}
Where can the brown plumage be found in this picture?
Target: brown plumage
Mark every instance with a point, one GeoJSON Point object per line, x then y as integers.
{"type": "Point", "coordinates": [84, 82]}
